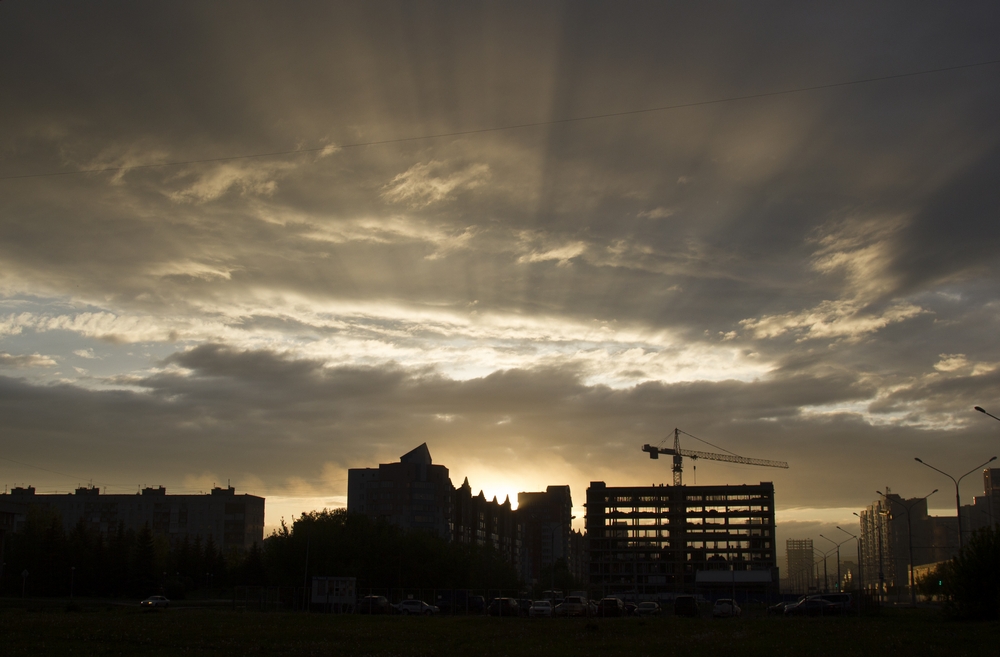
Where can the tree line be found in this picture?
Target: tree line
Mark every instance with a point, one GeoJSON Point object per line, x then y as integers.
{"type": "Point", "coordinates": [130, 563]}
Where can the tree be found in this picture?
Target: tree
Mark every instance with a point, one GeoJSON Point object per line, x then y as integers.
{"type": "Point", "coordinates": [143, 576]}
{"type": "Point", "coordinates": [972, 583]}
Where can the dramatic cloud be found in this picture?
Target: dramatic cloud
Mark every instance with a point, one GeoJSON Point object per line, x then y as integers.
{"type": "Point", "coordinates": [280, 242]}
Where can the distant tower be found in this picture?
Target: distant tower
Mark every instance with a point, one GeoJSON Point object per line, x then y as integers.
{"type": "Point", "coordinates": [799, 553]}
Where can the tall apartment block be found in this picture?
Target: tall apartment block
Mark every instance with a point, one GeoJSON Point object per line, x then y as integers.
{"type": "Point", "coordinates": [233, 522]}
{"type": "Point", "coordinates": [985, 509]}
{"type": "Point", "coordinates": [413, 493]}
{"type": "Point", "coordinates": [885, 541]}
{"type": "Point", "coordinates": [653, 540]}
{"type": "Point", "coordinates": [799, 576]}
{"type": "Point", "coordinates": [548, 530]}
{"type": "Point", "coordinates": [416, 494]}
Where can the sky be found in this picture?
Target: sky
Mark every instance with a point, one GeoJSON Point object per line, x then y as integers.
{"type": "Point", "coordinates": [262, 243]}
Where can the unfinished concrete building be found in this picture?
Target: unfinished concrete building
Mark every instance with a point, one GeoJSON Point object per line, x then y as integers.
{"type": "Point", "coordinates": [657, 541]}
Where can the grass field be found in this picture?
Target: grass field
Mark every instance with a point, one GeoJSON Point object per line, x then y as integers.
{"type": "Point", "coordinates": [99, 629]}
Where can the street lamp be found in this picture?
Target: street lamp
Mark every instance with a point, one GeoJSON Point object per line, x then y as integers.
{"type": "Point", "coordinates": [958, 499]}
{"type": "Point", "coordinates": [838, 558]}
{"type": "Point", "coordinates": [909, 535]}
{"type": "Point", "coordinates": [983, 411]}
{"type": "Point", "coordinates": [826, 578]}
{"type": "Point", "coordinates": [861, 572]}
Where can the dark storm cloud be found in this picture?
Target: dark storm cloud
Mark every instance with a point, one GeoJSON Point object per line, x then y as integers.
{"type": "Point", "coordinates": [833, 248]}
{"type": "Point", "coordinates": [274, 417]}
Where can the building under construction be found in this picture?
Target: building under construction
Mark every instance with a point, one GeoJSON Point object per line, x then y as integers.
{"type": "Point", "coordinates": [799, 554]}
{"type": "Point", "coordinates": [656, 541]}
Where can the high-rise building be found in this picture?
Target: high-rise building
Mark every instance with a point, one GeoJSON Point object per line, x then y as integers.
{"type": "Point", "coordinates": [233, 522]}
{"type": "Point", "coordinates": [412, 494]}
{"type": "Point", "coordinates": [799, 554]}
{"type": "Point", "coordinates": [887, 536]}
{"type": "Point", "coordinates": [985, 509]}
{"type": "Point", "coordinates": [649, 540]}
{"type": "Point", "coordinates": [416, 494]}
{"type": "Point", "coordinates": [548, 526]}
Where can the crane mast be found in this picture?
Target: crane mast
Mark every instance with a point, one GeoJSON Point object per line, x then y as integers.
{"type": "Point", "coordinates": [679, 454]}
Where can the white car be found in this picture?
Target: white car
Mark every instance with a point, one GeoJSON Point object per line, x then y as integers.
{"type": "Point", "coordinates": [540, 609]}
{"type": "Point", "coordinates": [417, 607]}
{"type": "Point", "coordinates": [155, 601]}
{"type": "Point", "coordinates": [725, 608]}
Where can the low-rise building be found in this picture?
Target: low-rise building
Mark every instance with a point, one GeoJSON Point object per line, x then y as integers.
{"type": "Point", "coordinates": [481, 522]}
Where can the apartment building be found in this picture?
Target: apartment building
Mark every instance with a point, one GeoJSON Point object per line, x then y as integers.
{"type": "Point", "coordinates": [233, 522]}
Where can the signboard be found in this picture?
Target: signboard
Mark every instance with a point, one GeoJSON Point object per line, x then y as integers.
{"type": "Point", "coordinates": [334, 590]}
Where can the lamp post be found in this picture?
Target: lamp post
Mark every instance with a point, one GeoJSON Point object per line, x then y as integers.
{"type": "Point", "coordinates": [838, 558]}
{"type": "Point", "coordinates": [909, 535]}
{"type": "Point", "coordinates": [826, 579]}
{"type": "Point", "coordinates": [958, 499]}
{"type": "Point", "coordinates": [983, 411]}
{"type": "Point", "coordinates": [861, 572]}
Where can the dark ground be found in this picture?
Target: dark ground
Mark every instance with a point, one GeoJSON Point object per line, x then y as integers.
{"type": "Point", "coordinates": [104, 628]}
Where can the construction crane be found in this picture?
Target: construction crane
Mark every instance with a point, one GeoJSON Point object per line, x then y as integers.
{"type": "Point", "coordinates": [679, 454]}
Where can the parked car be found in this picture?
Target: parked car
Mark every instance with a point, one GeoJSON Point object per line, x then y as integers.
{"type": "Point", "coordinates": [461, 603]}
{"type": "Point", "coordinates": [813, 606]}
{"type": "Point", "coordinates": [155, 602]}
{"type": "Point", "coordinates": [610, 607]}
{"type": "Point", "coordinates": [540, 609]}
{"type": "Point", "coordinates": [374, 604]}
{"type": "Point", "coordinates": [779, 609]}
{"type": "Point", "coordinates": [844, 601]}
{"type": "Point", "coordinates": [647, 609]}
{"type": "Point", "coordinates": [572, 606]}
{"type": "Point", "coordinates": [686, 605]}
{"type": "Point", "coordinates": [476, 604]}
{"type": "Point", "coordinates": [416, 607]}
{"type": "Point", "coordinates": [503, 607]}
{"type": "Point", "coordinates": [726, 608]}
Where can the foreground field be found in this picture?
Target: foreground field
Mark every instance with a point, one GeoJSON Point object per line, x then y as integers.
{"type": "Point", "coordinates": [114, 630]}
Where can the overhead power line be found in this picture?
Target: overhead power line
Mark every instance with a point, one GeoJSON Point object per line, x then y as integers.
{"type": "Point", "coordinates": [516, 126]}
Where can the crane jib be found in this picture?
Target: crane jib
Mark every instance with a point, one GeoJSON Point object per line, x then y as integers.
{"type": "Point", "coordinates": [654, 452]}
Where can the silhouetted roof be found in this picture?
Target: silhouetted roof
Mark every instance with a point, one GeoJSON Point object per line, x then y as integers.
{"type": "Point", "coordinates": [419, 456]}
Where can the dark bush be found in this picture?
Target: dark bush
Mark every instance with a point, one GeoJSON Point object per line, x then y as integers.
{"type": "Point", "coordinates": [973, 577]}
